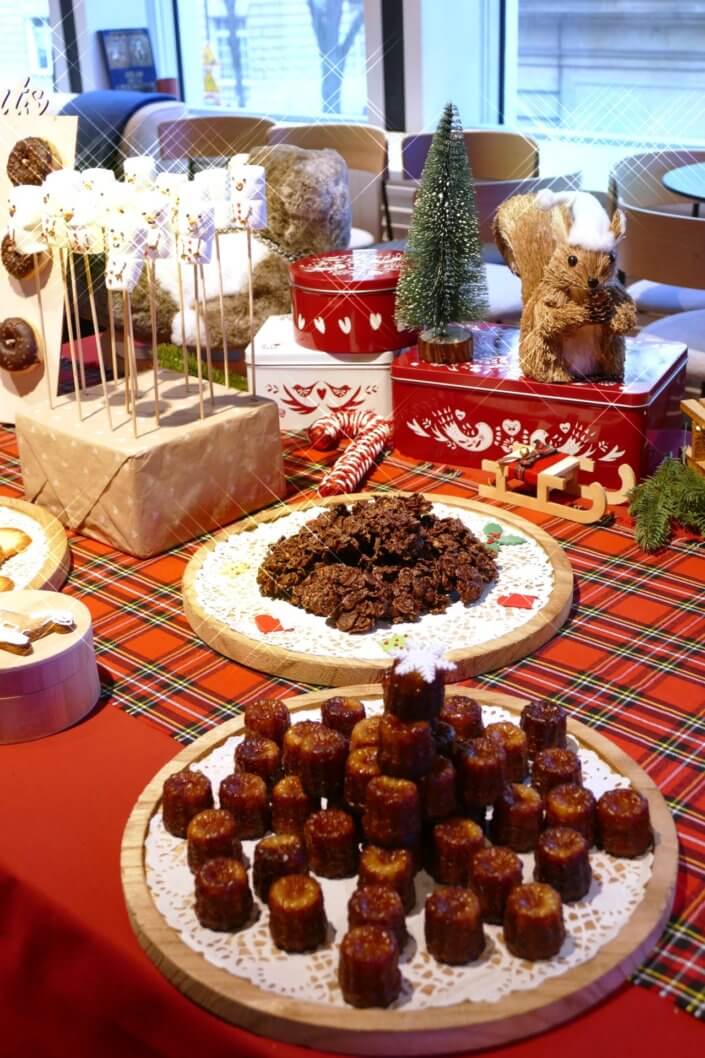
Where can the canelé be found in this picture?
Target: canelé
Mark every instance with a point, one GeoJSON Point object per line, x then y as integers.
{"type": "Point", "coordinates": [454, 843]}
{"type": "Point", "coordinates": [494, 872]}
{"type": "Point", "coordinates": [342, 714]}
{"type": "Point", "coordinates": [378, 905]}
{"type": "Point", "coordinates": [533, 921]}
{"type": "Point", "coordinates": [563, 861]}
{"type": "Point", "coordinates": [223, 897]}
{"type": "Point", "coordinates": [514, 743]}
{"type": "Point", "coordinates": [437, 790]}
{"type": "Point", "coordinates": [259, 756]}
{"type": "Point", "coordinates": [331, 843]}
{"type": "Point", "coordinates": [391, 867]}
{"type": "Point", "coordinates": [368, 971]}
{"type": "Point", "coordinates": [268, 717]}
{"type": "Point", "coordinates": [392, 815]}
{"type": "Point", "coordinates": [210, 834]}
{"type": "Point", "coordinates": [246, 797]}
{"type": "Point", "coordinates": [360, 768]}
{"type": "Point", "coordinates": [570, 805]}
{"type": "Point", "coordinates": [516, 817]}
{"type": "Point", "coordinates": [554, 767]}
{"type": "Point", "coordinates": [481, 768]}
{"type": "Point", "coordinates": [184, 795]}
{"type": "Point", "coordinates": [297, 918]}
{"type": "Point", "coordinates": [464, 715]}
{"type": "Point", "coordinates": [453, 925]}
{"type": "Point", "coordinates": [623, 823]}
{"type": "Point", "coordinates": [275, 856]}
{"type": "Point", "coordinates": [406, 750]}
{"type": "Point", "coordinates": [544, 725]}
{"type": "Point", "coordinates": [291, 806]}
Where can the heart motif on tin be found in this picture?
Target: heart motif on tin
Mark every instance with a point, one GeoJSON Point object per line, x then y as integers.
{"type": "Point", "coordinates": [301, 322]}
{"type": "Point", "coordinates": [511, 427]}
{"type": "Point", "coordinates": [321, 391]}
{"type": "Point", "coordinates": [564, 427]}
{"type": "Point", "coordinates": [345, 325]}
{"type": "Point", "coordinates": [320, 325]}
{"type": "Point", "coordinates": [375, 320]}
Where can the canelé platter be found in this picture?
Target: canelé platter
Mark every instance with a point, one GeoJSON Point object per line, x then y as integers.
{"type": "Point", "coordinates": [423, 1020]}
{"type": "Point", "coordinates": [45, 563]}
{"type": "Point", "coordinates": [526, 606]}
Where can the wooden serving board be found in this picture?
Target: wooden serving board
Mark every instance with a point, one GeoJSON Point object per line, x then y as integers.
{"type": "Point", "coordinates": [55, 570]}
{"type": "Point", "coordinates": [464, 1026]}
{"type": "Point", "coordinates": [333, 671]}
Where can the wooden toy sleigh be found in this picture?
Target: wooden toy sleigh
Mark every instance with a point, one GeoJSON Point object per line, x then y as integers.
{"type": "Point", "coordinates": [527, 476]}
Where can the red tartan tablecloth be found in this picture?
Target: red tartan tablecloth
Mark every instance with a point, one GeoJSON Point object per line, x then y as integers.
{"type": "Point", "coordinates": [630, 662]}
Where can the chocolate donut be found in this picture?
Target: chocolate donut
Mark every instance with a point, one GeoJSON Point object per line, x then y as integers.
{"type": "Point", "coordinates": [18, 345]}
{"type": "Point", "coordinates": [30, 161]}
{"type": "Point", "coordinates": [18, 265]}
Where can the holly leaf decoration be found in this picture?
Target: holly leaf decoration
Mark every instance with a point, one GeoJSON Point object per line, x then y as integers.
{"type": "Point", "coordinates": [492, 529]}
{"type": "Point", "coordinates": [508, 538]}
{"type": "Point", "coordinates": [496, 537]}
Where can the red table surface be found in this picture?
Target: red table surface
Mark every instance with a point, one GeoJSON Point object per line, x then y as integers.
{"type": "Point", "coordinates": [73, 979]}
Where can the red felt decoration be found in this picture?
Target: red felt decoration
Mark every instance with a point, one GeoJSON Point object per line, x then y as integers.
{"type": "Point", "coordinates": [519, 602]}
{"type": "Point", "coordinates": [266, 623]}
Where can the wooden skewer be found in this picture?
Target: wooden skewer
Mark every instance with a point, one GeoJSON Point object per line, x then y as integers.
{"type": "Point", "coordinates": [250, 291]}
{"type": "Point", "coordinates": [184, 351]}
{"type": "Point", "coordinates": [226, 365]}
{"type": "Point", "coordinates": [151, 283]}
{"type": "Point", "coordinates": [98, 340]}
{"type": "Point", "coordinates": [209, 360]}
{"type": "Point", "coordinates": [74, 291]}
{"type": "Point", "coordinates": [199, 366]}
{"type": "Point", "coordinates": [113, 346]}
{"type": "Point", "coordinates": [42, 327]}
{"type": "Point", "coordinates": [130, 349]}
{"type": "Point", "coordinates": [69, 328]}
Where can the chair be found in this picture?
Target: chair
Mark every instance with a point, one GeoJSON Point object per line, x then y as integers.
{"type": "Point", "coordinates": [211, 137]}
{"type": "Point", "coordinates": [493, 154]}
{"type": "Point", "coordinates": [364, 149]}
{"type": "Point", "coordinates": [636, 182]}
{"type": "Point", "coordinates": [666, 248]}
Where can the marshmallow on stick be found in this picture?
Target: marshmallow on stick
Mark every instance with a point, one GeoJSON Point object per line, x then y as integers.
{"type": "Point", "coordinates": [195, 230]}
{"type": "Point", "coordinates": [248, 194]}
{"type": "Point", "coordinates": [140, 172]}
{"type": "Point", "coordinates": [25, 223]}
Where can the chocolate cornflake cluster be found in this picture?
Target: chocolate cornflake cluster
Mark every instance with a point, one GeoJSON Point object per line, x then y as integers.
{"type": "Point", "coordinates": [383, 560]}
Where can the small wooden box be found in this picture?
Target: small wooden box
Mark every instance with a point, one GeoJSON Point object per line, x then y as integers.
{"type": "Point", "coordinates": [57, 684]}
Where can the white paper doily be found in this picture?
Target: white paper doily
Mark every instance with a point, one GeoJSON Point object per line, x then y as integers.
{"type": "Point", "coordinates": [23, 568]}
{"type": "Point", "coordinates": [226, 589]}
{"type": "Point", "coordinates": [617, 888]}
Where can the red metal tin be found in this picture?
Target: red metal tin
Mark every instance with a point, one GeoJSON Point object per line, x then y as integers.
{"type": "Point", "coordinates": [464, 413]}
{"type": "Point", "coordinates": [343, 301]}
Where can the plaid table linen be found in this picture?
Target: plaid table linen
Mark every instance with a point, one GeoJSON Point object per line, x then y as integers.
{"type": "Point", "coordinates": [630, 662]}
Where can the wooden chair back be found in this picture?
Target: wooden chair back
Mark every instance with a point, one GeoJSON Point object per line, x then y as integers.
{"type": "Point", "coordinates": [364, 150]}
{"type": "Point", "coordinates": [490, 194]}
{"type": "Point", "coordinates": [493, 154]}
{"type": "Point", "coordinates": [663, 247]}
{"type": "Point", "coordinates": [636, 180]}
{"type": "Point", "coordinates": [218, 136]}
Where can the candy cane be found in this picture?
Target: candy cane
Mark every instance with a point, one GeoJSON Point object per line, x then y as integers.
{"type": "Point", "coordinates": [328, 431]}
{"type": "Point", "coordinates": [356, 460]}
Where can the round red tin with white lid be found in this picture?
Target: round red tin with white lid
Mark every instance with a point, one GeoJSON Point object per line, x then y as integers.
{"type": "Point", "coordinates": [343, 301]}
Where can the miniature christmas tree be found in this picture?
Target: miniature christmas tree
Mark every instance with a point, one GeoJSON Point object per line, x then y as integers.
{"type": "Point", "coordinates": [443, 277]}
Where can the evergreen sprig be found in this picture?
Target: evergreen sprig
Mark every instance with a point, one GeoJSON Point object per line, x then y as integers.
{"type": "Point", "coordinates": [675, 493]}
{"type": "Point", "coordinates": [443, 277]}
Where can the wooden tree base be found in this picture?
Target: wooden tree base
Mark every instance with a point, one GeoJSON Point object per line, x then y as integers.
{"type": "Point", "coordinates": [456, 348]}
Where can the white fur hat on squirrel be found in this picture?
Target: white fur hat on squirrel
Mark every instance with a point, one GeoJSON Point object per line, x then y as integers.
{"type": "Point", "coordinates": [591, 225]}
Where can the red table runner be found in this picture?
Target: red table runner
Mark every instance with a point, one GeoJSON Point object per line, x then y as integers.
{"type": "Point", "coordinates": [630, 663]}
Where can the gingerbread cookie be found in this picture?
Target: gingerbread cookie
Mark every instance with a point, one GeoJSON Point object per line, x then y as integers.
{"type": "Point", "coordinates": [18, 345]}
{"type": "Point", "coordinates": [18, 265]}
{"type": "Point", "coordinates": [12, 542]}
{"type": "Point", "coordinates": [37, 625]}
{"type": "Point", "coordinates": [13, 641]}
{"type": "Point", "coordinates": [30, 161]}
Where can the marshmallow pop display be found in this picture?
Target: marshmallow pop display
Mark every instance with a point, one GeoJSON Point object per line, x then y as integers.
{"type": "Point", "coordinates": [248, 210]}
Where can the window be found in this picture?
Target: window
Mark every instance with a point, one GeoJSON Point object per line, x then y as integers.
{"type": "Point", "coordinates": [605, 74]}
{"type": "Point", "coordinates": [287, 59]}
{"type": "Point", "coordinates": [25, 44]}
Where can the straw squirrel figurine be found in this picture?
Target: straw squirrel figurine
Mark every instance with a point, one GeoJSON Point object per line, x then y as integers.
{"type": "Point", "coordinates": [563, 247]}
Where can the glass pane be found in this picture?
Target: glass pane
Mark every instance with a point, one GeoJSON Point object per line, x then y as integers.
{"type": "Point", "coordinates": [610, 72]}
{"type": "Point", "coordinates": [25, 43]}
{"type": "Point", "coordinates": [280, 58]}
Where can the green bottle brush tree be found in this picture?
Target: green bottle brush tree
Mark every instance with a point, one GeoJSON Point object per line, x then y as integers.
{"type": "Point", "coordinates": [442, 281]}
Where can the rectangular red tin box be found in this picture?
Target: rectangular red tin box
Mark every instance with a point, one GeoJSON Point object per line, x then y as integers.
{"type": "Point", "coordinates": [343, 301]}
{"type": "Point", "coordinates": [464, 413]}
